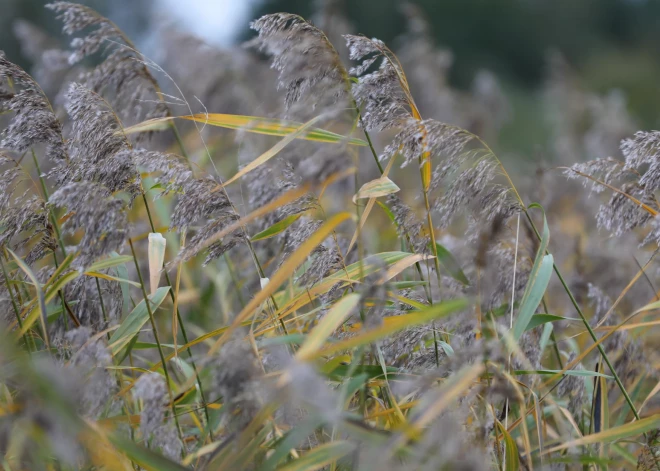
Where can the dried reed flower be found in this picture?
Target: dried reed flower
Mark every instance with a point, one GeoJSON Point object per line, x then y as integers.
{"type": "Point", "coordinates": [383, 102]}
{"type": "Point", "coordinates": [122, 74]}
{"type": "Point", "coordinates": [308, 64]}
{"type": "Point", "coordinates": [408, 225]}
{"type": "Point", "coordinates": [34, 121]}
{"type": "Point", "coordinates": [151, 389]}
{"type": "Point", "coordinates": [99, 301]}
{"type": "Point", "coordinates": [99, 152]}
{"type": "Point", "coordinates": [235, 375]}
{"type": "Point", "coordinates": [103, 217]}
{"type": "Point", "coordinates": [90, 360]}
{"type": "Point", "coordinates": [621, 215]}
{"type": "Point", "coordinates": [24, 218]}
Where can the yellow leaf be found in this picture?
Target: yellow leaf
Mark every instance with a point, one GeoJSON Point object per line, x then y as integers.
{"type": "Point", "coordinates": [273, 151]}
{"type": "Point", "coordinates": [382, 186]}
{"type": "Point", "coordinates": [628, 430]}
{"type": "Point", "coordinates": [283, 274]}
{"type": "Point", "coordinates": [253, 124]}
{"type": "Point", "coordinates": [330, 322]}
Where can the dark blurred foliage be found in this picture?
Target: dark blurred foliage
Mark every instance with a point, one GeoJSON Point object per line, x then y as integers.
{"type": "Point", "coordinates": [609, 43]}
{"type": "Point", "coordinates": [509, 37]}
{"type": "Point", "coordinates": [131, 15]}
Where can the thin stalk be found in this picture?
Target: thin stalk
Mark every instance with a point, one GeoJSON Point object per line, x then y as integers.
{"type": "Point", "coordinates": [147, 302]}
{"type": "Point", "coordinates": [181, 324]}
{"type": "Point", "coordinates": [13, 303]}
{"type": "Point", "coordinates": [588, 326]}
{"type": "Point", "coordinates": [232, 275]}
{"type": "Point", "coordinates": [105, 315]}
{"type": "Point", "coordinates": [405, 232]}
{"type": "Point", "coordinates": [427, 289]}
{"type": "Point", "coordinates": [44, 188]}
{"type": "Point", "coordinates": [562, 281]}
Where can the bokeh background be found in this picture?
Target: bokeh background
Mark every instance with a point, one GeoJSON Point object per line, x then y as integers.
{"type": "Point", "coordinates": [611, 46]}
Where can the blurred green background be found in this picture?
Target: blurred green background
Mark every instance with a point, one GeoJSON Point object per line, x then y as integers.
{"type": "Point", "coordinates": [611, 44]}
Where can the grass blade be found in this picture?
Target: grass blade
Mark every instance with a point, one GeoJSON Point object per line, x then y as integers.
{"type": "Point", "coordinates": [320, 457]}
{"type": "Point", "coordinates": [450, 264]}
{"type": "Point", "coordinates": [330, 322]}
{"type": "Point", "coordinates": [536, 286]}
{"type": "Point", "coordinates": [435, 311]}
{"type": "Point", "coordinates": [629, 430]}
{"type": "Point", "coordinates": [283, 274]}
{"type": "Point", "coordinates": [511, 450]}
{"type": "Point", "coordinates": [40, 295]}
{"type": "Point", "coordinates": [253, 124]}
{"type": "Point", "coordinates": [273, 151]}
{"type": "Point", "coordinates": [276, 228]}
{"type": "Point", "coordinates": [156, 253]}
{"type": "Point", "coordinates": [382, 186]}
{"type": "Point", "coordinates": [131, 326]}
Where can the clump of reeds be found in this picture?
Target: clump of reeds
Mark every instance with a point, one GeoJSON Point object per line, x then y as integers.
{"type": "Point", "coordinates": [289, 296]}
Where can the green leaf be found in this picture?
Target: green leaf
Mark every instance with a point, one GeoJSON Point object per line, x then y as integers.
{"type": "Point", "coordinates": [538, 282]}
{"type": "Point", "coordinates": [130, 327]}
{"type": "Point", "coordinates": [536, 286]}
{"type": "Point", "coordinates": [320, 456]}
{"type": "Point", "coordinates": [290, 441]}
{"type": "Point", "coordinates": [450, 263]}
{"type": "Point", "coordinates": [110, 262]}
{"type": "Point", "coordinates": [387, 211]}
{"type": "Point", "coordinates": [96, 274]}
{"type": "Point", "coordinates": [538, 319]}
{"type": "Point", "coordinates": [146, 458]}
{"type": "Point", "coordinates": [446, 347]}
{"type": "Point", "coordinates": [60, 269]}
{"type": "Point", "coordinates": [586, 373]}
{"type": "Point", "coordinates": [55, 312]}
{"type": "Point", "coordinates": [40, 295]}
{"type": "Point", "coordinates": [407, 284]}
{"type": "Point", "coordinates": [276, 228]}
{"type": "Point", "coordinates": [369, 372]}
{"type": "Point", "coordinates": [511, 459]}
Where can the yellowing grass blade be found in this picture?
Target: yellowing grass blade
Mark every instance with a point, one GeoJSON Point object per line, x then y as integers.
{"type": "Point", "coordinates": [253, 124]}
{"type": "Point", "coordinates": [330, 322]}
{"type": "Point", "coordinates": [156, 251]}
{"type": "Point", "coordinates": [320, 457]}
{"type": "Point", "coordinates": [60, 269]}
{"type": "Point", "coordinates": [273, 151]}
{"type": "Point", "coordinates": [397, 324]}
{"type": "Point", "coordinates": [512, 461]}
{"type": "Point", "coordinates": [456, 385]}
{"type": "Point", "coordinates": [96, 274]}
{"type": "Point", "coordinates": [287, 197]}
{"type": "Point", "coordinates": [382, 186]}
{"type": "Point", "coordinates": [628, 430]}
{"type": "Point", "coordinates": [283, 274]}
{"type": "Point", "coordinates": [401, 265]}
{"type": "Point", "coordinates": [40, 293]}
